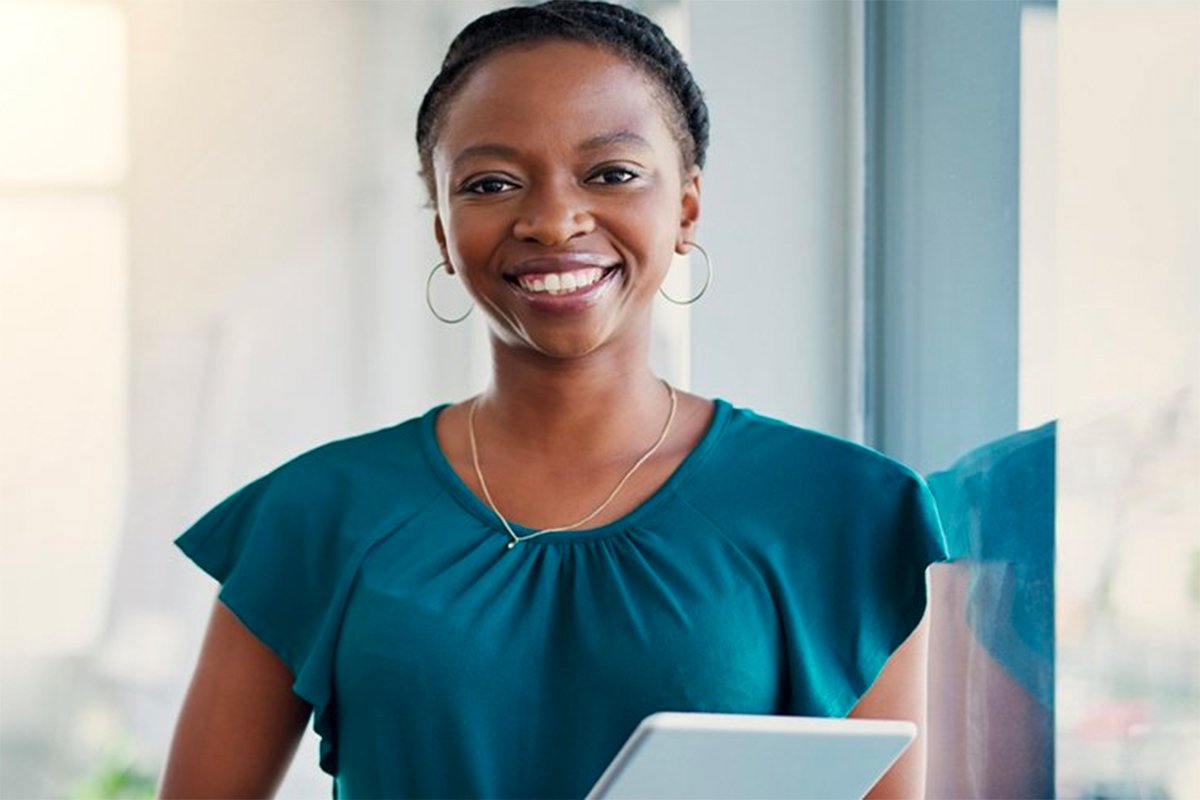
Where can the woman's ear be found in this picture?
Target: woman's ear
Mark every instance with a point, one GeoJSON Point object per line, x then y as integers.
{"type": "Point", "coordinates": [689, 210]}
{"type": "Point", "coordinates": [439, 233]}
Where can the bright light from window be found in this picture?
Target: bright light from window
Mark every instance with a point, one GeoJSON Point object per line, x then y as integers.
{"type": "Point", "coordinates": [63, 339]}
{"type": "Point", "coordinates": [62, 77]}
{"type": "Point", "coordinates": [1039, 179]}
{"type": "Point", "coordinates": [1128, 398]}
{"type": "Point", "coordinates": [63, 359]}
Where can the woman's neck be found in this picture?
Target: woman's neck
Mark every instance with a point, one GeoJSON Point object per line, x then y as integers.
{"type": "Point", "coordinates": [604, 404]}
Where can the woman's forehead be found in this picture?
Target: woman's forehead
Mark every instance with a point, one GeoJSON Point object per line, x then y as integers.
{"type": "Point", "coordinates": [568, 94]}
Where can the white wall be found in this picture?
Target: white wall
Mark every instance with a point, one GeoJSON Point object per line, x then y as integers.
{"type": "Point", "coordinates": [772, 333]}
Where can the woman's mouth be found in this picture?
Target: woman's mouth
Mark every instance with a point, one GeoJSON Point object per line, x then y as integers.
{"type": "Point", "coordinates": [558, 283]}
{"type": "Point", "coordinates": [565, 290]}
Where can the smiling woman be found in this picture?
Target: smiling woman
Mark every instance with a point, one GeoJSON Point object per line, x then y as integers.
{"type": "Point", "coordinates": [634, 548]}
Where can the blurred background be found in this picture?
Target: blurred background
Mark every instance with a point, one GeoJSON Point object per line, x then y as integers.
{"type": "Point", "coordinates": [964, 233]}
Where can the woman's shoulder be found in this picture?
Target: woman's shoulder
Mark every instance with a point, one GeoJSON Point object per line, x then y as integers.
{"type": "Point", "coordinates": [762, 443]}
{"type": "Point", "coordinates": [770, 481]}
{"type": "Point", "coordinates": [324, 501]}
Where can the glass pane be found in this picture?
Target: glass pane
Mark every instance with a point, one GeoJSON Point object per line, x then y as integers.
{"type": "Point", "coordinates": [62, 93]}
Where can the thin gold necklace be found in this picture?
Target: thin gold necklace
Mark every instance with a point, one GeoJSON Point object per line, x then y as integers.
{"type": "Point", "coordinates": [488, 495]}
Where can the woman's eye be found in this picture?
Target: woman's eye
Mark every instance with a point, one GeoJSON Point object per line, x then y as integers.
{"type": "Point", "coordinates": [488, 186]}
{"type": "Point", "coordinates": [613, 176]}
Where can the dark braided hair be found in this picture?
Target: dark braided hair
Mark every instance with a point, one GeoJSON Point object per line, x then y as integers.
{"type": "Point", "coordinates": [616, 27]}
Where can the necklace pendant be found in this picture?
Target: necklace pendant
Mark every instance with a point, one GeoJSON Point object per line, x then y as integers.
{"type": "Point", "coordinates": [511, 545]}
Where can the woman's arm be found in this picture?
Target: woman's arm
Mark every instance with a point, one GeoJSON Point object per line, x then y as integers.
{"type": "Point", "coordinates": [899, 693]}
{"type": "Point", "coordinates": [240, 723]}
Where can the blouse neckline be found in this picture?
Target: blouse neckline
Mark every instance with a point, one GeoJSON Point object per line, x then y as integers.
{"type": "Point", "coordinates": [472, 503]}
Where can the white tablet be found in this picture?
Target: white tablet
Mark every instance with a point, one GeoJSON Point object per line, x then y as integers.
{"type": "Point", "coordinates": [693, 755]}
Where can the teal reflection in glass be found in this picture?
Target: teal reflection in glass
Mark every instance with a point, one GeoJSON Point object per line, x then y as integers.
{"type": "Point", "coordinates": [995, 712]}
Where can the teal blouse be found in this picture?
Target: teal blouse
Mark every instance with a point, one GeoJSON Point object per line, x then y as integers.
{"type": "Point", "coordinates": [773, 573]}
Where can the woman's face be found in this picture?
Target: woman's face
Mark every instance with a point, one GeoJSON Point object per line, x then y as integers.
{"type": "Point", "coordinates": [561, 196]}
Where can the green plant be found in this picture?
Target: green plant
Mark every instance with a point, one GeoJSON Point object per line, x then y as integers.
{"type": "Point", "coordinates": [119, 777]}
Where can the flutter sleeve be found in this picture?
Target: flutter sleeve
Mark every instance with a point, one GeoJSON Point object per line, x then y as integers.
{"type": "Point", "coordinates": [862, 591]}
{"type": "Point", "coordinates": [274, 546]}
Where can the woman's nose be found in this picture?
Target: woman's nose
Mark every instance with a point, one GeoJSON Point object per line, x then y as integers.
{"type": "Point", "coordinates": [552, 216]}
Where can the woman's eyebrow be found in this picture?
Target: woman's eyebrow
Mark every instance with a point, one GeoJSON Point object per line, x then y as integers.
{"type": "Point", "coordinates": [474, 151]}
{"type": "Point", "coordinates": [615, 137]}
{"type": "Point", "coordinates": [594, 143]}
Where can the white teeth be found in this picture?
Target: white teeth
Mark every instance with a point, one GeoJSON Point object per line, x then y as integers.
{"type": "Point", "coordinates": [561, 282]}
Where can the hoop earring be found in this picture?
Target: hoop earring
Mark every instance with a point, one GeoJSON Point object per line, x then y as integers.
{"type": "Point", "coordinates": [708, 274]}
{"type": "Point", "coordinates": [429, 300]}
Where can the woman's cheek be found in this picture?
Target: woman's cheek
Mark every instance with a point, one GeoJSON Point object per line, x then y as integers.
{"type": "Point", "coordinates": [474, 235]}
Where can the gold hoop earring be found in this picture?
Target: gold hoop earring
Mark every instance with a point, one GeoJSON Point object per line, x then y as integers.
{"type": "Point", "coordinates": [429, 300]}
{"type": "Point", "coordinates": [708, 274]}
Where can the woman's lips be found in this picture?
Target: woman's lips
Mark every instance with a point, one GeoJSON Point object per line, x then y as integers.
{"type": "Point", "coordinates": [565, 291]}
{"type": "Point", "coordinates": [565, 282]}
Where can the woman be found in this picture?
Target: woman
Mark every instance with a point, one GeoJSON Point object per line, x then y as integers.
{"type": "Point", "coordinates": [484, 601]}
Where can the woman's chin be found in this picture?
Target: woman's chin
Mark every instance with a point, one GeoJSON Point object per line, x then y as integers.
{"type": "Point", "coordinates": [563, 338]}
{"type": "Point", "coordinates": [567, 348]}
{"type": "Point", "coordinates": [563, 345]}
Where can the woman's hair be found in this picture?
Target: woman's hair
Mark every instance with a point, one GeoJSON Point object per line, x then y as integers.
{"type": "Point", "coordinates": [615, 27]}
